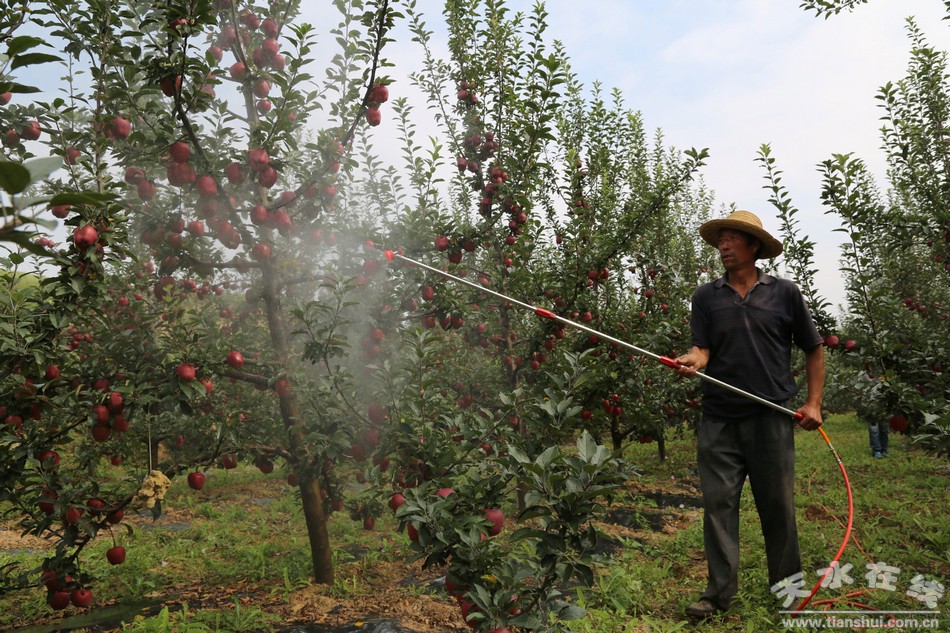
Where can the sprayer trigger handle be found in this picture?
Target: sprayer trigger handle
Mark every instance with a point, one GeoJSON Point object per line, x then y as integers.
{"type": "Point", "coordinates": [669, 362]}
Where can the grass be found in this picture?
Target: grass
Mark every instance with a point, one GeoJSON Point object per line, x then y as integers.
{"type": "Point", "coordinates": [900, 520]}
{"type": "Point", "coordinates": [243, 536]}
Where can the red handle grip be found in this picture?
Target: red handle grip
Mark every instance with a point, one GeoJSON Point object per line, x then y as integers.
{"type": "Point", "coordinates": [669, 362]}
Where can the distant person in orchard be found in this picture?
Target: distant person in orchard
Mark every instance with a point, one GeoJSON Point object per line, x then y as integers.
{"type": "Point", "coordinates": [743, 327]}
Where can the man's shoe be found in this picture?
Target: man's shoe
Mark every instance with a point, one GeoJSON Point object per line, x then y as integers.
{"type": "Point", "coordinates": [702, 609]}
{"type": "Point", "coordinates": [878, 454]}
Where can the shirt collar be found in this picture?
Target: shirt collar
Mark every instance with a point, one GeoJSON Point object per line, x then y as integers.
{"type": "Point", "coordinates": [763, 278]}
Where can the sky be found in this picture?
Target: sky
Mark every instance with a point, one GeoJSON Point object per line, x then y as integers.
{"type": "Point", "coordinates": [730, 75]}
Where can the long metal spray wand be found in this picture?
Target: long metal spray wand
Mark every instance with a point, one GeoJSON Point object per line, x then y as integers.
{"type": "Point", "coordinates": [669, 362]}
{"type": "Point", "coordinates": [547, 314]}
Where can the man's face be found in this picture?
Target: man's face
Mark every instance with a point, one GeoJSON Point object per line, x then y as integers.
{"type": "Point", "coordinates": [736, 249]}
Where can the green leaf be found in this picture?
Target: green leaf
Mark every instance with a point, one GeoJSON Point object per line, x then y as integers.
{"type": "Point", "coordinates": [32, 59]}
{"type": "Point", "coordinates": [22, 43]}
{"type": "Point", "coordinates": [528, 621]}
{"type": "Point", "coordinates": [10, 86]}
{"type": "Point", "coordinates": [586, 446]}
{"type": "Point", "coordinates": [572, 612]}
{"type": "Point", "coordinates": [14, 177]}
{"type": "Point", "coordinates": [41, 168]}
{"type": "Point", "coordinates": [81, 197]}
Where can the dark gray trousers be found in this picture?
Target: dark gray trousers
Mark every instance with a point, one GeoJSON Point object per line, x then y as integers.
{"type": "Point", "coordinates": [764, 449]}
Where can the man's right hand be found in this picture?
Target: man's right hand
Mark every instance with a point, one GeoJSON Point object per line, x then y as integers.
{"type": "Point", "coordinates": [692, 361]}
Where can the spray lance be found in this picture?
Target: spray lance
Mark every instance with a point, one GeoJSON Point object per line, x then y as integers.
{"type": "Point", "coordinates": [669, 362]}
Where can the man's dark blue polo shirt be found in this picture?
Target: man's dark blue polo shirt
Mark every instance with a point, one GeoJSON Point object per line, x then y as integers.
{"type": "Point", "coordinates": [750, 342]}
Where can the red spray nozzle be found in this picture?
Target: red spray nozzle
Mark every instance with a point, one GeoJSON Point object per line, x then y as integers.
{"type": "Point", "coordinates": [389, 255]}
{"type": "Point", "coordinates": [669, 362]}
{"type": "Point", "coordinates": [547, 314]}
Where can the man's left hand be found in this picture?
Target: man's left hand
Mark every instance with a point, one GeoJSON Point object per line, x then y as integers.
{"type": "Point", "coordinates": [811, 417]}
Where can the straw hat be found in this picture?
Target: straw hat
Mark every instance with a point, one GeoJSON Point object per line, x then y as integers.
{"type": "Point", "coordinates": [744, 221]}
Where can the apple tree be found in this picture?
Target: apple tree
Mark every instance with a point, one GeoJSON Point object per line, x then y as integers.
{"type": "Point", "coordinates": [527, 198]}
{"type": "Point", "coordinates": [187, 122]}
{"type": "Point", "coordinates": [557, 199]}
{"type": "Point", "coordinates": [896, 256]}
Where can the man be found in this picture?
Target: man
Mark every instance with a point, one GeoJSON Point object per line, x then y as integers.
{"type": "Point", "coordinates": [743, 327]}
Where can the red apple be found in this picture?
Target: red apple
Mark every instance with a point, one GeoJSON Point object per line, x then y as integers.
{"type": "Point", "coordinates": [396, 501]}
{"type": "Point", "coordinates": [49, 460]}
{"type": "Point", "coordinates": [71, 155]}
{"type": "Point", "coordinates": [101, 433]}
{"type": "Point", "coordinates": [898, 423]}
{"type": "Point", "coordinates": [81, 598]}
{"type": "Point", "coordinates": [235, 173]}
{"type": "Point", "coordinates": [497, 519]}
{"type": "Point", "coordinates": [196, 480]}
{"type": "Point", "coordinates": [260, 252]}
{"type": "Point", "coordinates": [170, 84]}
{"type": "Point", "coordinates": [270, 28]}
{"type": "Point", "coordinates": [832, 341]}
{"type": "Point", "coordinates": [146, 190]}
{"type": "Point", "coordinates": [119, 128]}
{"type": "Point", "coordinates": [270, 47]}
{"type": "Point", "coordinates": [373, 116]}
{"type": "Point", "coordinates": [58, 600]}
{"type": "Point", "coordinates": [116, 555]}
{"type": "Point", "coordinates": [379, 93]}
{"type": "Point", "coordinates": [186, 372]}
{"type": "Point", "coordinates": [267, 177]}
{"type": "Point", "coordinates": [206, 186]}
{"type": "Point", "coordinates": [180, 152]}
{"type": "Point", "coordinates": [257, 158]}
{"type": "Point", "coordinates": [236, 359]}
{"type": "Point", "coordinates": [371, 437]}
{"type": "Point", "coordinates": [31, 131]}
{"type": "Point", "coordinates": [134, 175]}
{"type": "Point", "coordinates": [73, 514]}
{"type": "Point", "coordinates": [85, 236]}
{"type": "Point", "coordinates": [261, 88]}
{"type": "Point", "coordinates": [237, 71]}
{"type": "Point", "coordinates": [250, 20]}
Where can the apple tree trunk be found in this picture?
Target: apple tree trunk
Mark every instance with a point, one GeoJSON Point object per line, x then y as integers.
{"type": "Point", "coordinates": [311, 493]}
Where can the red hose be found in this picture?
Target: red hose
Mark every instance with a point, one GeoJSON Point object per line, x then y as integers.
{"type": "Point", "coordinates": [847, 531]}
